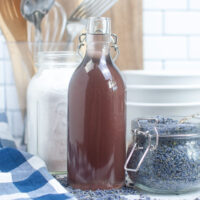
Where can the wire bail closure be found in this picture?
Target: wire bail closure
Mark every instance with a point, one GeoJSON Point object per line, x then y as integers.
{"type": "Point", "coordinates": [150, 147]}
{"type": "Point", "coordinates": [114, 44]}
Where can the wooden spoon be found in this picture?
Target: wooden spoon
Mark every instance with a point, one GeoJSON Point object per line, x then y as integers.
{"type": "Point", "coordinates": [14, 28]}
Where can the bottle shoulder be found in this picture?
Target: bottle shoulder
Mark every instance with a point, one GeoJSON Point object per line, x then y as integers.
{"type": "Point", "coordinates": [103, 68]}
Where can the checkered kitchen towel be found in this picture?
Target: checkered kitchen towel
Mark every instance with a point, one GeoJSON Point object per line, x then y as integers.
{"type": "Point", "coordinates": [23, 176]}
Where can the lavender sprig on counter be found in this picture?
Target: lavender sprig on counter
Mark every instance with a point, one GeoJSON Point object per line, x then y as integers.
{"type": "Point", "coordinates": [114, 194]}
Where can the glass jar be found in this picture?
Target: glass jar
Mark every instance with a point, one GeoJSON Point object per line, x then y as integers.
{"type": "Point", "coordinates": [164, 156]}
{"type": "Point", "coordinates": [47, 108]}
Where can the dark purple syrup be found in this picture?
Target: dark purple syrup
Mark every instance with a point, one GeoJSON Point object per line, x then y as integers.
{"type": "Point", "coordinates": [97, 127]}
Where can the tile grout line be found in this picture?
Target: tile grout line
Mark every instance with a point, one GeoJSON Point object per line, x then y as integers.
{"type": "Point", "coordinates": [171, 35]}
{"type": "Point", "coordinates": [163, 65]}
{"type": "Point", "coordinates": [188, 4]}
{"type": "Point", "coordinates": [163, 23]}
{"type": "Point", "coordinates": [174, 10]}
{"type": "Point", "coordinates": [5, 86]}
{"type": "Point", "coordinates": [188, 47]}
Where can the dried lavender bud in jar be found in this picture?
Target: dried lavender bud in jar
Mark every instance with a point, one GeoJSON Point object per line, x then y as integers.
{"type": "Point", "coordinates": [175, 165]}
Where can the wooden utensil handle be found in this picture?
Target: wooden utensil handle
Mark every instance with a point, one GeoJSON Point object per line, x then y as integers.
{"type": "Point", "coordinates": [22, 64]}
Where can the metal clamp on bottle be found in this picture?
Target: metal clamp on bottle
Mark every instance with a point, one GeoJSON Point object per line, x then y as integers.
{"type": "Point", "coordinates": [150, 147]}
{"type": "Point", "coordinates": [82, 39]}
{"type": "Point", "coordinates": [114, 44]}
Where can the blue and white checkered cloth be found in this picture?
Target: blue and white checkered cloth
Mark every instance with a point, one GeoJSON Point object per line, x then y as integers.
{"type": "Point", "coordinates": [24, 176]}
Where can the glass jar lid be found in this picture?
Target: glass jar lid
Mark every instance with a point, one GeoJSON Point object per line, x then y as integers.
{"type": "Point", "coordinates": [176, 127]}
{"type": "Point", "coordinates": [57, 58]}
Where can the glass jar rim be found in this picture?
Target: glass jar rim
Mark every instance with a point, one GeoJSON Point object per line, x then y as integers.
{"type": "Point", "coordinates": [61, 58]}
{"type": "Point", "coordinates": [165, 129]}
{"type": "Point", "coordinates": [179, 136]}
{"type": "Point", "coordinates": [57, 53]}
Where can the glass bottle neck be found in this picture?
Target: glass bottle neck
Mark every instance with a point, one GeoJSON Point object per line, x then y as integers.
{"type": "Point", "coordinates": [98, 45]}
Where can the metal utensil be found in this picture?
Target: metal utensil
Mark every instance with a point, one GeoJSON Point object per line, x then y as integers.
{"type": "Point", "coordinates": [34, 11]}
{"type": "Point", "coordinates": [53, 28]}
{"type": "Point", "coordinates": [87, 8]}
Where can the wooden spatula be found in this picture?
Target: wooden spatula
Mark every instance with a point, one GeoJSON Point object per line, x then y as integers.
{"type": "Point", "coordinates": [14, 28]}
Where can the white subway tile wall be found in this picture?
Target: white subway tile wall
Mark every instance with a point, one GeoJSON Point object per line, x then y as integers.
{"type": "Point", "coordinates": [165, 47]}
{"type": "Point", "coordinates": [165, 4]}
{"type": "Point", "coordinates": [8, 73]}
{"type": "Point", "coordinates": [194, 47]}
{"type": "Point", "coordinates": [182, 23]}
{"type": "Point", "coordinates": [194, 4]}
{"type": "Point", "coordinates": [17, 119]}
{"type": "Point", "coordinates": [171, 34]}
{"type": "Point", "coordinates": [11, 98]}
{"type": "Point", "coordinates": [182, 65]}
{"type": "Point", "coordinates": [2, 80]}
{"type": "Point", "coordinates": [8, 93]}
{"type": "Point", "coordinates": [153, 65]}
{"type": "Point", "coordinates": [2, 98]}
{"type": "Point", "coordinates": [153, 22]}
{"type": "Point", "coordinates": [171, 41]}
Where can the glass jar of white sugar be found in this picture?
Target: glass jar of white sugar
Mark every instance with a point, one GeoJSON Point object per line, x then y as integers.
{"type": "Point", "coordinates": [47, 108]}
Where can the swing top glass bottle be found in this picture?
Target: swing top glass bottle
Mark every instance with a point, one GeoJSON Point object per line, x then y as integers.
{"type": "Point", "coordinates": [96, 132]}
